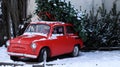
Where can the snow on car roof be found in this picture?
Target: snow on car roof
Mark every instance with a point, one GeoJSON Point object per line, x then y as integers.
{"type": "Point", "coordinates": [48, 22]}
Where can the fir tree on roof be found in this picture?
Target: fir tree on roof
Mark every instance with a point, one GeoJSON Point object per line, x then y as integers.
{"type": "Point", "coordinates": [56, 10]}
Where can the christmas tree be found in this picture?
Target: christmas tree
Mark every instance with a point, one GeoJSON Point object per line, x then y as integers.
{"type": "Point", "coordinates": [56, 10]}
{"type": "Point", "coordinates": [102, 28]}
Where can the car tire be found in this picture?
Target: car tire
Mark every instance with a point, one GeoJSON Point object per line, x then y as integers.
{"type": "Point", "coordinates": [75, 51]}
{"type": "Point", "coordinates": [43, 55]}
{"type": "Point", "coordinates": [14, 58]}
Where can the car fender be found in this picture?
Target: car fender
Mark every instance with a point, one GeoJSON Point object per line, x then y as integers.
{"type": "Point", "coordinates": [40, 45]}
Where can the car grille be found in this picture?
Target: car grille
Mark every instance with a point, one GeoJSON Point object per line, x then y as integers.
{"type": "Point", "coordinates": [19, 48]}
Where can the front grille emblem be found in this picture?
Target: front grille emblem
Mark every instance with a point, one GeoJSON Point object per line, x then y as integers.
{"type": "Point", "coordinates": [19, 42]}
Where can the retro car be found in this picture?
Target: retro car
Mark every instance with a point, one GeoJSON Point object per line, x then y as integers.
{"type": "Point", "coordinates": [44, 39]}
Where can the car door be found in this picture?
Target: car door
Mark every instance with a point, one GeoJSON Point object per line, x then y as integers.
{"type": "Point", "coordinates": [58, 40]}
{"type": "Point", "coordinates": [71, 36]}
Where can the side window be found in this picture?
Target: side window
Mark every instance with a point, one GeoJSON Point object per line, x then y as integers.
{"type": "Point", "coordinates": [70, 30]}
{"type": "Point", "coordinates": [58, 30]}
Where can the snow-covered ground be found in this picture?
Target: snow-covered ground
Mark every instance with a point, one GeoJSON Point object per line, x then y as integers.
{"type": "Point", "coordinates": [86, 59]}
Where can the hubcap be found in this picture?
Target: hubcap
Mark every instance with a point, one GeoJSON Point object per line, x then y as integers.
{"type": "Point", "coordinates": [45, 56]}
{"type": "Point", "coordinates": [76, 51]}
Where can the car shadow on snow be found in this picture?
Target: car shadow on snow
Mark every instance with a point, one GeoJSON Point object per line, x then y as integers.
{"type": "Point", "coordinates": [33, 61]}
{"type": "Point", "coordinates": [59, 57]}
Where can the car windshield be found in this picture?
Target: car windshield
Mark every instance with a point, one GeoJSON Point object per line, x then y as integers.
{"type": "Point", "coordinates": [38, 28]}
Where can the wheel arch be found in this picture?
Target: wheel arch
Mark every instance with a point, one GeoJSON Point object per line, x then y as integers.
{"type": "Point", "coordinates": [78, 46]}
{"type": "Point", "coordinates": [48, 49]}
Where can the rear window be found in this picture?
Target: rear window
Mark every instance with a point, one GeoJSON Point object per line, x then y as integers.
{"type": "Point", "coordinates": [58, 30]}
{"type": "Point", "coordinates": [70, 30]}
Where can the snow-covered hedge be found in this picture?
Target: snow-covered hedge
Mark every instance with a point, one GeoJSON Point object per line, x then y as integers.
{"type": "Point", "coordinates": [101, 29]}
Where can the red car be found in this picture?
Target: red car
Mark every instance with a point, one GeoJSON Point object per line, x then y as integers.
{"type": "Point", "coordinates": [45, 39]}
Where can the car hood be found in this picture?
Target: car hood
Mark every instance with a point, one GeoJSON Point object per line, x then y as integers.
{"type": "Point", "coordinates": [27, 39]}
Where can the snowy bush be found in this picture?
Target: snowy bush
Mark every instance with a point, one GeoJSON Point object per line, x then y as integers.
{"type": "Point", "coordinates": [102, 29]}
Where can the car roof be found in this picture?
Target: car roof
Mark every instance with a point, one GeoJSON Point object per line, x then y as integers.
{"type": "Point", "coordinates": [51, 23]}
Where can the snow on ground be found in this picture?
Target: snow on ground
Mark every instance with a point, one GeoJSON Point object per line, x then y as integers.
{"type": "Point", "coordinates": [86, 59]}
{"type": "Point", "coordinates": [3, 55]}
{"type": "Point", "coordinates": [91, 59]}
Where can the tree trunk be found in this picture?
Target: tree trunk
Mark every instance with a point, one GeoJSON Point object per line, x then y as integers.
{"type": "Point", "coordinates": [14, 11]}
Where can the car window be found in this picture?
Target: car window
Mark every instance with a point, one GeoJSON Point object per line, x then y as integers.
{"type": "Point", "coordinates": [70, 30]}
{"type": "Point", "coordinates": [58, 30]}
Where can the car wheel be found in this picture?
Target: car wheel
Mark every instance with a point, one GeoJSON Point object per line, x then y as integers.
{"type": "Point", "coordinates": [14, 58]}
{"type": "Point", "coordinates": [75, 51]}
{"type": "Point", "coordinates": [43, 55]}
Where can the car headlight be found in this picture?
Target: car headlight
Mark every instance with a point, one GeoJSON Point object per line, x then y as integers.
{"type": "Point", "coordinates": [8, 43]}
{"type": "Point", "coordinates": [33, 45]}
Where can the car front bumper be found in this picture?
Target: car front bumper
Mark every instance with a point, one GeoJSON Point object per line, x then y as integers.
{"type": "Point", "coordinates": [22, 55]}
